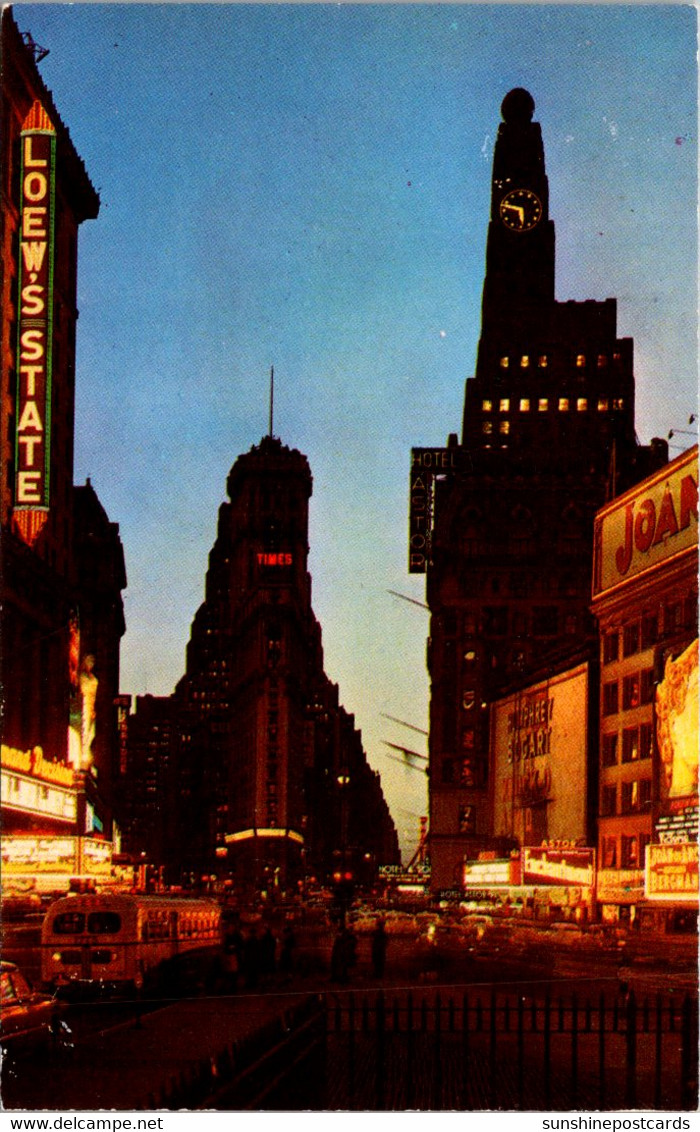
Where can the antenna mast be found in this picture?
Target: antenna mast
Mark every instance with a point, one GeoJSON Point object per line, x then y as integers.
{"type": "Point", "coordinates": [272, 397]}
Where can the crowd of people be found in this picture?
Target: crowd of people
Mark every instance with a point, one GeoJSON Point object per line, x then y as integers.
{"type": "Point", "coordinates": [250, 957]}
{"type": "Point", "coordinates": [253, 954]}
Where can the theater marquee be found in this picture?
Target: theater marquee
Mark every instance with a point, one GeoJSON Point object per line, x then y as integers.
{"type": "Point", "coordinates": [35, 270]}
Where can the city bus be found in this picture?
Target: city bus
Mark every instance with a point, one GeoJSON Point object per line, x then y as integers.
{"type": "Point", "coordinates": [121, 942]}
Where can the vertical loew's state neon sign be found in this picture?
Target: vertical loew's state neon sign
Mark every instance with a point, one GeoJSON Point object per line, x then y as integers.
{"type": "Point", "coordinates": [35, 274]}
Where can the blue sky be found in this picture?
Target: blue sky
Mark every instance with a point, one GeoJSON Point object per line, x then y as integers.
{"type": "Point", "coordinates": [307, 186]}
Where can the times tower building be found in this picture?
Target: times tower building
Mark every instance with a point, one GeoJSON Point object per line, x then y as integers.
{"type": "Point", "coordinates": [502, 523]}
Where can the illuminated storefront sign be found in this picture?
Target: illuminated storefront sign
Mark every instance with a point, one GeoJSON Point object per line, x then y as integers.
{"type": "Point", "coordinates": [32, 796]}
{"type": "Point", "coordinates": [539, 743]}
{"type": "Point", "coordinates": [672, 872]}
{"type": "Point", "coordinates": [620, 886]}
{"type": "Point", "coordinates": [647, 525]}
{"type": "Point", "coordinates": [558, 866]}
{"type": "Point", "coordinates": [56, 855]}
{"type": "Point", "coordinates": [34, 323]}
{"type": "Point", "coordinates": [480, 873]}
{"type": "Point", "coordinates": [426, 463]}
{"type": "Point", "coordinates": [123, 706]}
{"type": "Point", "coordinates": [33, 763]}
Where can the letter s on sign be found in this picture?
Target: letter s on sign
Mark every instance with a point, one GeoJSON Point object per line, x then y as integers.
{"type": "Point", "coordinates": [32, 345]}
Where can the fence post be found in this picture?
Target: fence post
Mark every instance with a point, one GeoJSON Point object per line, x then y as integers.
{"type": "Point", "coordinates": [689, 1054]}
{"type": "Point", "coordinates": [492, 1050]}
{"type": "Point", "coordinates": [437, 1063]}
{"type": "Point", "coordinates": [351, 1050]}
{"type": "Point", "coordinates": [631, 1043]}
{"type": "Point", "coordinates": [521, 1050]}
{"type": "Point", "coordinates": [465, 1048]}
{"type": "Point", "coordinates": [380, 1068]}
{"type": "Point", "coordinates": [547, 1051]}
{"type": "Point", "coordinates": [574, 1050]}
{"type": "Point", "coordinates": [409, 1051]}
{"type": "Point", "coordinates": [601, 1051]}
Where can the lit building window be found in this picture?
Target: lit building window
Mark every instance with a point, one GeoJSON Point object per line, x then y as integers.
{"type": "Point", "coordinates": [582, 404]}
{"type": "Point", "coordinates": [602, 404]}
{"type": "Point", "coordinates": [580, 361]}
{"type": "Point", "coordinates": [504, 427]}
{"type": "Point", "coordinates": [525, 405]}
{"type": "Point", "coordinates": [542, 361]}
{"type": "Point", "coordinates": [618, 404]}
{"type": "Point", "coordinates": [487, 427]}
{"type": "Point", "coordinates": [563, 404]}
{"type": "Point", "coordinates": [617, 357]}
{"type": "Point", "coordinates": [504, 363]}
{"type": "Point", "coordinates": [543, 405]}
{"type": "Point", "coordinates": [602, 361]}
{"type": "Point", "coordinates": [487, 406]}
{"type": "Point", "coordinates": [504, 405]}
{"type": "Point", "coordinates": [525, 361]}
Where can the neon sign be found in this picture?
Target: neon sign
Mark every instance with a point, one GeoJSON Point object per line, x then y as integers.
{"type": "Point", "coordinates": [426, 463]}
{"type": "Point", "coordinates": [35, 273]}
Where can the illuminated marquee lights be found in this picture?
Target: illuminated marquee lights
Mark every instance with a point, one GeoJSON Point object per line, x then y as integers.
{"type": "Point", "coordinates": [247, 834]}
{"type": "Point", "coordinates": [35, 273]}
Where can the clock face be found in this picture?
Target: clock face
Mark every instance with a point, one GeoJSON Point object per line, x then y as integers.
{"type": "Point", "coordinates": [520, 210]}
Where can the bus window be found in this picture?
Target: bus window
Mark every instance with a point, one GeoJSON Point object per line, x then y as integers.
{"type": "Point", "coordinates": [69, 923]}
{"type": "Point", "coordinates": [104, 923]}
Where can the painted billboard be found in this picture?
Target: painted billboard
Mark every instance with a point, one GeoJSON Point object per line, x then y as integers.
{"type": "Point", "coordinates": [35, 270]}
{"type": "Point", "coordinates": [677, 727]}
{"type": "Point", "coordinates": [648, 525]}
{"type": "Point", "coordinates": [539, 759]}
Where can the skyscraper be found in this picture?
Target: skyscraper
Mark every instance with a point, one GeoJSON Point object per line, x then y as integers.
{"type": "Point", "coordinates": [272, 779]}
{"type": "Point", "coordinates": [502, 523]}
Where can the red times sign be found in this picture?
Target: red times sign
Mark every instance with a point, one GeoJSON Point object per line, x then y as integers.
{"type": "Point", "coordinates": [34, 323]}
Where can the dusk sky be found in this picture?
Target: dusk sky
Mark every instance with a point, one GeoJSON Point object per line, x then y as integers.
{"type": "Point", "coordinates": [307, 186]}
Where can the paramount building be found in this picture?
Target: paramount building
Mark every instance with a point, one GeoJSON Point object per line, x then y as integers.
{"type": "Point", "coordinates": [501, 523]}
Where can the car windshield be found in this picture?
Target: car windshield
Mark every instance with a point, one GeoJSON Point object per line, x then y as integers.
{"type": "Point", "coordinates": [13, 986]}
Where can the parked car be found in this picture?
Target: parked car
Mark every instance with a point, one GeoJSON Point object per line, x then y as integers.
{"type": "Point", "coordinates": [26, 1015]}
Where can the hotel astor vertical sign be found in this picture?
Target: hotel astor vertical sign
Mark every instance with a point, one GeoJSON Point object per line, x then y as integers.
{"type": "Point", "coordinates": [34, 323]}
{"type": "Point", "coordinates": [426, 463]}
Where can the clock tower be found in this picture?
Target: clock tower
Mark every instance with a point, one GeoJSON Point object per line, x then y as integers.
{"type": "Point", "coordinates": [506, 532]}
{"type": "Point", "coordinates": [520, 242]}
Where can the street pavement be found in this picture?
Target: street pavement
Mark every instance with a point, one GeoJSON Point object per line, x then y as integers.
{"type": "Point", "coordinates": [131, 1064]}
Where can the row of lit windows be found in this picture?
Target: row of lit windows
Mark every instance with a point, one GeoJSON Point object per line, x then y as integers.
{"type": "Point", "coordinates": [627, 854]}
{"type": "Point", "coordinates": [580, 361]}
{"type": "Point", "coordinates": [634, 797]}
{"type": "Point", "coordinates": [636, 744]}
{"type": "Point", "coordinates": [637, 688]}
{"type": "Point", "coordinates": [640, 635]}
{"type": "Point", "coordinates": [543, 404]}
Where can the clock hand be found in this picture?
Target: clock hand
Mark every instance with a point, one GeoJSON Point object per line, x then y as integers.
{"type": "Point", "coordinates": [518, 209]}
